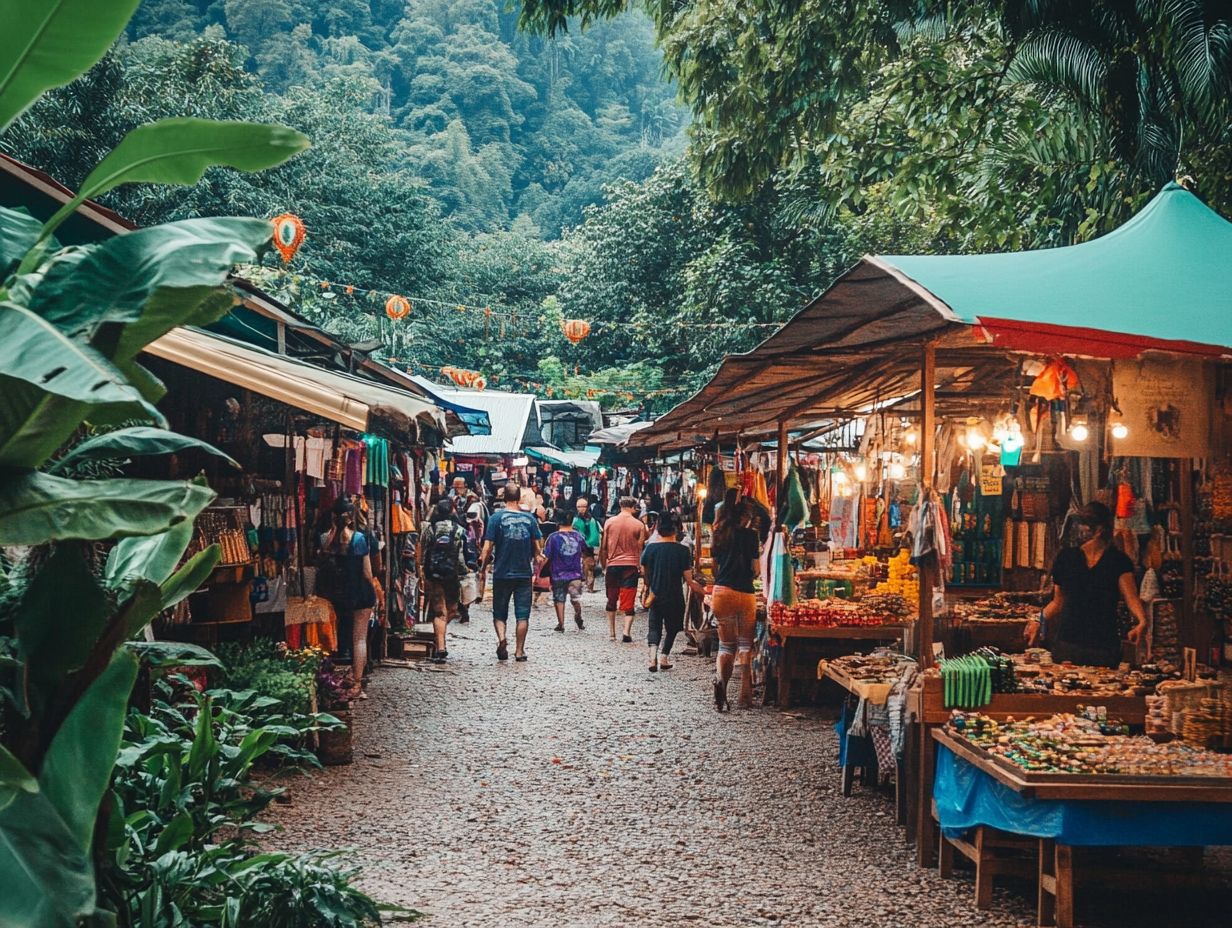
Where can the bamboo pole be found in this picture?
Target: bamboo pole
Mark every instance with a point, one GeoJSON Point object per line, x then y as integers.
{"type": "Point", "coordinates": [928, 569]}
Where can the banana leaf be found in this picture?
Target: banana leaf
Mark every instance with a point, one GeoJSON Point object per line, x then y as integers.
{"type": "Point", "coordinates": [137, 441]}
{"type": "Point", "coordinates": [49, 384]}
{"type": "Point", "coordinates": [18, 233]}
{"type": "Point", "coordinates": [179, 151]}
{"type": "Point", "coordinates": [114, 280]}
{"type": "Point", "coordinates": [48, 43]}
{"type": "Point", "coordinates": [36, 508]}
{"type": "Point", "coordinates": [48, 879]}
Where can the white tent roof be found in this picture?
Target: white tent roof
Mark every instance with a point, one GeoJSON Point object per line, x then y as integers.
{"type": "Point", "coordinates": [509, 414]}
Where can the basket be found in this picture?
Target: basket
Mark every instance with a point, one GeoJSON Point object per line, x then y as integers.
{"type": "Point", "coordinates": [307, 610]}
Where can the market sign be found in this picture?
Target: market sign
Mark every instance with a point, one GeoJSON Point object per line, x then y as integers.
{"type": "Point", "coordinates": [1166, 406]}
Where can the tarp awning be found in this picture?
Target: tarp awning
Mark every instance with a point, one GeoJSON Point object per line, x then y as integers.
{"type": "Point", "coordinates": [1161, 282]}
{"type": "Point", "coordinates": [338, 397]}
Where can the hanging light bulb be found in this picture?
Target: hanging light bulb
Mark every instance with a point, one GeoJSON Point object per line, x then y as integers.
{"type": "Point", "coordinates": [909, 436]}
{"type": "Point", "coordinates": [861, 472]}
{"type": "Point", "coordinates": [975, 439]}
{"type": "Point", "coordinates": [1120, 430]}
{"type": "Point", "coordinates": [1079, 432]}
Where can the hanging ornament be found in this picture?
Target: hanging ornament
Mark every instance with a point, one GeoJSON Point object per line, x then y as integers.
{"type": "Point", "coordinates": [288, 235]}
{"type": "Point", "coordinates": [397, 307]}
{"type": "Point", "coordinates": [576, 329]}
{"type": "Point", "coordinates": [350, 290]}
{"type": "Point", "coordinates": [325, 285]}
{"type": "Point", "coordinates": [480, 383]}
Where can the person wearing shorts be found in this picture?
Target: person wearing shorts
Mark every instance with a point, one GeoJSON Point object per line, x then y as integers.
{"type": "Point", "coordinates": [620, 556]}
{"type": "Point", "coordinates": [668, 568]}
{"type": "Point", "coordinates": [563, 552]}
{"type": "Point", "coordinates": [736, 553]}
{"type": "Point", "coordinates": [513, 545]}
{"type": "Point", "coordinates": [592, 534]}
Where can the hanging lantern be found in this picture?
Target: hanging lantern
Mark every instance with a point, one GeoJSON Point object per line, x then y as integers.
{"type": "Point", "coordinates": [397, 307]}
{"type": "Point", "coordinates": [576, 329]}
{"type": "Point", "coordinates": [447, 372]}
{"type": "Point", "coordinates": [350, 290]}
{"type": "Point", "coordinates": [480, 383]}
{"type": "Point", "coordinates": [288, 235]}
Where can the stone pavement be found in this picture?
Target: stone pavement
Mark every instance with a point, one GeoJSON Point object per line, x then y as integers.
{"type": "Point", "coordinates": [576, 789]}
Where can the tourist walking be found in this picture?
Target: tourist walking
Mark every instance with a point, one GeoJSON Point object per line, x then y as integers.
{"type": "Point", "coordinates": [620, 557]}
{"type": "Point", "coordinates": [736, 552]}
{"type": "Point", "coordinates": [563, 552]}
{"type": "Point", "coordinates": [513, 545]}
{"type": "Point", "coordinates": [667, 566]}
{"type": "Point", "coordinates": [345, 578]}
{"type": "Point", "coordinates": [592, 533]}
{"type": "Point", "coordinates": [442, 563]}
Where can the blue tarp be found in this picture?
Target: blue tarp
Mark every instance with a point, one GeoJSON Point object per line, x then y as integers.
{"type": "Point", "coordinates": [967, 796]}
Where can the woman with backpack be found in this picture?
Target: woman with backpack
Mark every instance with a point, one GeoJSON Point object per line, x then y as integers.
{"type": "Point", "coordinates": [345, 579]}
{"type": "Point", "coordinates": [442, 562]}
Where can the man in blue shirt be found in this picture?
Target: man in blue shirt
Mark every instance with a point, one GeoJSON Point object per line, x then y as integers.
{"type": "Point", "coordinates": [513, 545]}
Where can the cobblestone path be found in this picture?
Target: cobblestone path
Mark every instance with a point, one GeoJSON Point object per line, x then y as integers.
{"type": "Point", "coordinates": [576, 789]}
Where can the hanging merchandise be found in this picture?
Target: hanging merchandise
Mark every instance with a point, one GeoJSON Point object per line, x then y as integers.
{"type": "Point", "coordinates": [793, 512]}
{"type": "Point", "coordinates": [1055, 381]}
{"type": "Point", "coordinates": [716, 487]}
{"type": "Point", "coordinates": [288, 235]}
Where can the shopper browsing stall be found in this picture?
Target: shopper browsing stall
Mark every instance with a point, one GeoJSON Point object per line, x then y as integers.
{"type": "Point", "coordinates": [345, 579]}
{"type": "Point", "coordinates": [1089, 581]}
{"type": "Point", "coordinates": [736, 553]}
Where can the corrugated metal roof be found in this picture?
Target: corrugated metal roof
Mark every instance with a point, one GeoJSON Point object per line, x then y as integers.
{"type": "Point", "coordinates": [508, 414]}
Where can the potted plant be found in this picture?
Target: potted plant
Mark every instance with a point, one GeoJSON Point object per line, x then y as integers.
{"type": "Point", "coordinates": [334, 686]}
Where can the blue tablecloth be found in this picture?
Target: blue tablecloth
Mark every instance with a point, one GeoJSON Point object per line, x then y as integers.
{"type": "Point", "coordinates": [967, 796]}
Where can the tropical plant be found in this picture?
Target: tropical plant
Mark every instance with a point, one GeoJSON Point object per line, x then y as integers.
{"type": "Point", "coordinates": [183, 812]}
{"type": "Point", "coordinates": [73, 322]}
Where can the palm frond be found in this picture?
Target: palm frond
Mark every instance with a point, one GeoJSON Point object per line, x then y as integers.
{"type": "Point", "coordinates": [1061, 60]}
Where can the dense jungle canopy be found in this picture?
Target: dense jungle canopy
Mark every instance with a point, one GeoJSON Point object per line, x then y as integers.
{"type": "Point", "coordinates": [681, 175]}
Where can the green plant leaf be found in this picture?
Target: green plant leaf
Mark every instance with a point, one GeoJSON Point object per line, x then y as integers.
{"type": "Point", "coordinates": [78, 765]}
{"type": "Point", "coordinates": [48, 879]}
{"type": "Point", "coordinates": [190, 577]}
{"type": "Point", "coordinates": [179, 151]}
{"type": "Point", "coordinates": [166, 310]}
{"type": "Point", "coordinates": [55, 641]}
{"type": "Point", "coordinates": [14, 774]}
{"type": "Point", "coordinates": [18, 233]}
{"type": "Point", "coordinates": [179, 831]}
{"type": "Point", "coordinates": [114, 280]}
{"type": "Point", "coordinates": [35, 508]}
{"type": "Point", "coordinates": [47, 44]}
{"type": "Point", "coordinates": [49, 384]}
{"type": "Point", "coordinates": [137, 441]}
{"type": "Point", "coordinates": [150, 558]}
{"type": "Point", "coordinates": [173, 654]}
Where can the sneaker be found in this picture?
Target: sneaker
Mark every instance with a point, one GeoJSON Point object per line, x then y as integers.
{"type": "Point", "coordinates": [520, 657]}
{"type": "Point", "coordinates": [439, 659]}
{"type": "Point", "coordinates": [580, 624]}
{"type": "Point", "coordinates": [559, 628]}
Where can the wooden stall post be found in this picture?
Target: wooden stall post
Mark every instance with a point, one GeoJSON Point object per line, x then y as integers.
{"type": "Point", "coordinates": [1188, 618]}
{"type": "Point", "coordinates": [782, 456]}
{"type": "Point", "coordinates": [925, 832]}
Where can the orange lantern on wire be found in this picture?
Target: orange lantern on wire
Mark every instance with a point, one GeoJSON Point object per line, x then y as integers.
{"type": "Point", "coordinates": [397, 307]}
{"type": "Point", "coordinates": [288, 235]}
{"type": "Point", "coordinates": [576, 329]}
{"type": "Point", "coordinates": [480, 382]}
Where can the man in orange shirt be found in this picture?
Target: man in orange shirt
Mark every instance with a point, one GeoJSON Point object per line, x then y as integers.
{"type": "Point", "coordinates": [620, 557]}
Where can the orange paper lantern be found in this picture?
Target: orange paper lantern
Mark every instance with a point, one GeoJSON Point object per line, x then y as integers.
{"type": "Point", "coordinates": [288, 235]}
{"type": "Point", "coordinates": [397, 307]}
{"type": "Point", "coordinates": [576, 329]}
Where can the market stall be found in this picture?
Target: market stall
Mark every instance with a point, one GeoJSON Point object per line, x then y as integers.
{"type": "Point", "coordinates": [302, 436]}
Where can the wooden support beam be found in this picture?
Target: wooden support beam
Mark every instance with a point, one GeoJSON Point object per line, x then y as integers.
{"type": "Point", "coordinates": [782, 456]}
{"type": "Point", "coordinates": [928, 569]}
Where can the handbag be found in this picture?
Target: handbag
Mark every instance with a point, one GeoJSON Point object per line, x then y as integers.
{"type": "Point", "coordinates": [468, 589]}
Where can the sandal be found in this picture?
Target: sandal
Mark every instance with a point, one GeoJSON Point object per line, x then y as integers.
{"type": "Point", "coordinates": [720, 696]}
{"type": "Point", "coordinates": [520, 657]}
{"type": "Point", "coordinates": [580, 624]}
{"type": "Point", "coordinates": [559, 628]}
{"type": "Point", "coordinates": [502, 650]}
{"type": "Point", "coordinates": [664, 663]}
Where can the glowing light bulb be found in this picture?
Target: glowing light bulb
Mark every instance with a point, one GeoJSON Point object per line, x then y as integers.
{"type": "Point", "coordinates": [861, 473]}
{"type": "Point", "coordinates": [975, 439]}
{"type": "Point", "coordinates": [702, 492]}
{"type": "Point", "coordinates": [909, 436]}
{"type": "Point", "coordinates": [1079, 432]}
{"type": "Point", "coordinates": [1120, 430]}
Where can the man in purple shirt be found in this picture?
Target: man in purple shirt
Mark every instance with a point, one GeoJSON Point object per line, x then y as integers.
{"type": "Point", "coordinates": [564, 554]}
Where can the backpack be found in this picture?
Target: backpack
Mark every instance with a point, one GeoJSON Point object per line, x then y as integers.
{"type": "Point", "coordinates": [331, 576]}
{"type": "Point", "coordinates": [441, 562]}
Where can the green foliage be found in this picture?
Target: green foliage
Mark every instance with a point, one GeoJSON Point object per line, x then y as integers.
{"type": "Point", "coordinates": [183, 806]}
{"type": "Point", "coordinates": [273, 672]}
{"type": "Point", "coordinates": [71, 324]}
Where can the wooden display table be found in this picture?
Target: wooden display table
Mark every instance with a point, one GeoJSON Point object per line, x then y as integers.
{"type": "Point", "coordinates": [926, 707]}
{"type": "Point", "coordinates": [995, 851]}
{"type": "Point", "coordinates": [794, 637]}
{"type": "Point", "coordinates": [877, 694]}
